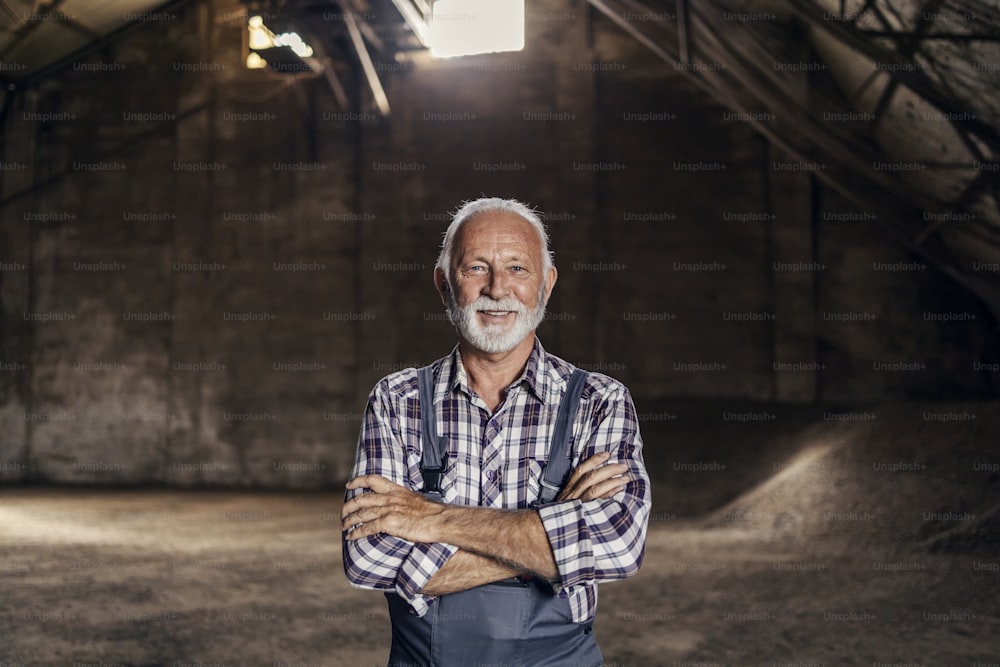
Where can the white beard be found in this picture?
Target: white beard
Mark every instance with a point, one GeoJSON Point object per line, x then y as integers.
{"type": "Point", "coordinates": [495, 338]}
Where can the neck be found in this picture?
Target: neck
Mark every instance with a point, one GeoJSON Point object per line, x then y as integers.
{"type": "Point", "coordinates": [490, 373]}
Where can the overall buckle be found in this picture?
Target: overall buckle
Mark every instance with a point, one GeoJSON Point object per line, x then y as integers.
{"type": "Point", "coordinates": [432, 476]}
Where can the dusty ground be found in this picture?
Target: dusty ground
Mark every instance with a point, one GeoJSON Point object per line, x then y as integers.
{"type": "Point", "coordinates": [825, 551]}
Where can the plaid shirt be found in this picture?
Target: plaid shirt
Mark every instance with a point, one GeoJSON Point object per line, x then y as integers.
{"type": "Point", "coordinates": [496, 460]}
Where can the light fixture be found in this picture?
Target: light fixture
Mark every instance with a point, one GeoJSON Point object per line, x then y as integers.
{"type": "Point", "coordinates": [286, 52]}
{"type": "Point", "coordinates": [470, 27]}
{"type": "Point", "coordinates": [254, 61]}
{"type": "Point", "coordinates": [295, 43]}
{"type": "Point", "coordinates": [260, 36]}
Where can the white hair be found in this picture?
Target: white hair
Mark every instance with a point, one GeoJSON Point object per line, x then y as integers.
{"type": "Point", "coordinates": [471, 209]}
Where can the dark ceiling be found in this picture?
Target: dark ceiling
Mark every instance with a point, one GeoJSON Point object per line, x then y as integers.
{"type": "Point", "coordinates": [899, 100]}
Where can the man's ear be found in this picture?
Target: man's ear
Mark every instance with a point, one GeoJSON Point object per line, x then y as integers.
{"type": "Point", "coordinates": [550, 282]}
{"type": "Point", "coordinates": [441, 283]}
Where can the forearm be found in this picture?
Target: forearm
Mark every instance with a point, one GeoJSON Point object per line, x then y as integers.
{"type": "Point", "coordinates": [467, 570]}
{"type": "Point", "coordinates": [515, 539]}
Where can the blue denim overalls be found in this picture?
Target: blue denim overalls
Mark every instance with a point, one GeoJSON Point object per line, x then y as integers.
{"type": "Point", "coordinates": [514, 622]}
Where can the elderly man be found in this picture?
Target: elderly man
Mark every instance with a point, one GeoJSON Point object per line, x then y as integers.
{"type": "Point", "coordinates": [494, 489]}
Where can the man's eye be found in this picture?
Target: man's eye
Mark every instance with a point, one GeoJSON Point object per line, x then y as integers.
{"type": "Point", "coordinates": [517, 268]}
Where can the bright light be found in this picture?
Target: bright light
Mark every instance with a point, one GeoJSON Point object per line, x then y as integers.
{"type": "Point", "coordinates": [468, 27]}
{"type": "Point", "coordinates": [261, 39]}
{"type": "Point", "coordinates": [295, 43]}
{"type": "Point", "coordinates": [254, 61]}
{"type": "Point", "coordinates": [260, 36]}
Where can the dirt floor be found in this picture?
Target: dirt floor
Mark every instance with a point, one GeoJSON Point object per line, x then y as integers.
{"type": "Point", "coordinates": [865, 542]}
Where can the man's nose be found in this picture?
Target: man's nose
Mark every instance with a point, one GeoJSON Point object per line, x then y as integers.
{"type": "Point", "coordinates": [497, 286]}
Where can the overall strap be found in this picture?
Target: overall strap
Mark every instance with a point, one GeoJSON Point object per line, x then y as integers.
{"type": "Point", "coordinates": [433, 461]}
{"type": "Point", "coordinates": [559, 456]}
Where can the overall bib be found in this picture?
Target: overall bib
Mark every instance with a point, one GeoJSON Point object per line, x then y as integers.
{"type": "Point", "coordinates": [514, 622]}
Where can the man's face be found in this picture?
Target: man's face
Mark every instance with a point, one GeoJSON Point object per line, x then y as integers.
{"type": "Point", "coordinates": [498, 291]}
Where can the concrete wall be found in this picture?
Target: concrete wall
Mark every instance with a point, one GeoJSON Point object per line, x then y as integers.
{"type": "Point", "coordinates": [205, 269]}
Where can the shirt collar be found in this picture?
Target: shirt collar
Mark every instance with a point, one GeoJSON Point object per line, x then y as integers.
{"type": "Point", "coordinates": [534, 375]}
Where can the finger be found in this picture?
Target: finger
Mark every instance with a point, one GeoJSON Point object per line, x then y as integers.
{"type": "Point", "coordinates": [591, 463]}
{"type": "Point", "coordinates": [364, 530]}
{"type": "Point", "coordinates": [369, 514]}
{"type": "Point", "coordinates": [369, 504]}
{"type": "Point", "coordinates": [583, 469]}
{"type": "Point", "coordinates": [607, 472]}
{"type": "Point", "coordinates": [595, 476]}
{"type": "Point", "coordinates": [390, 523]}
{"type": "Point", "coordinates": [367, 500]}
{"type": "Point", "coordinates": [356, 503]}
{"type": "Point", "coordinates": [607, 488]}
{"type": "Point", "coordinates": [359, 482]}
{"type": "Point", "coordinates": [355, 516]}
{"type": "Point", "coordinates": [363, 515]}
{"type": "Point", "coordinates": [376, 483]}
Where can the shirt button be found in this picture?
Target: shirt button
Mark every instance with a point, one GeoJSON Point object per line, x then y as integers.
{"type": "Point", "coordinates": [491, 475]}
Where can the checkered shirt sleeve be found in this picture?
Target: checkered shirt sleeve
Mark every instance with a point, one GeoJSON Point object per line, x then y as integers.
{"type": "Point", "coordinates": [384, 562]}
{"type": "Point", "coordinates": [595, 541]}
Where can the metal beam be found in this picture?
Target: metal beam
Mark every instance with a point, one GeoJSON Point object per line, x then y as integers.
{"type": "Point", "coordinates": [25, 29]}
{"type": "Point", "coordinates": [326, 62]}
{"type": "Point", "coordinates": [628, 27]}
{"type": "Point", "coordinates": [871, 195]}
{"type": "Point", "coordinates": [94, 47]}
{"type": "Point", "coordinates": [683, 46]}
{"type": "Point", "coordinates": [381, 101]}
{"type": "Point", "coordinates": [417, 22]}
{"type": "Point", "coordinates": [914, 80]}
{"type": "Point", "coordinates": [944, 36]}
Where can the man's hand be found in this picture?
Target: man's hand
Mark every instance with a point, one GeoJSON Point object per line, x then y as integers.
{"type": "Point", "coordinates": [593, 479]}
{"type": "Point", "coordinates": [391, 509]}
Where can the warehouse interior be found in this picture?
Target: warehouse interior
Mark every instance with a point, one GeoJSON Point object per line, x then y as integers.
{"type": "Point", "coordinates": [776, 222]}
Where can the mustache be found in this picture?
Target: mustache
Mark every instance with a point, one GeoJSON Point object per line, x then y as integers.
{"type": "Point", "coordinates": [507, 303]}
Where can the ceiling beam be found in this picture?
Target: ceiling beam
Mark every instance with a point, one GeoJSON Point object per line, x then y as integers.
{"type": "Point", "coordinates": [367, 66]}
{"type": "Point", "coordinates": [86, 51]}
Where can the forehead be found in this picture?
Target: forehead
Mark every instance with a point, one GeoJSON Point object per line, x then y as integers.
{"type": "Point", "coordinates": [498, 231]}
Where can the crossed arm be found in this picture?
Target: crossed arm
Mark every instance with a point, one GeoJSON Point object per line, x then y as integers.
{"type": "Point", "coordinates": [492, 544]}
